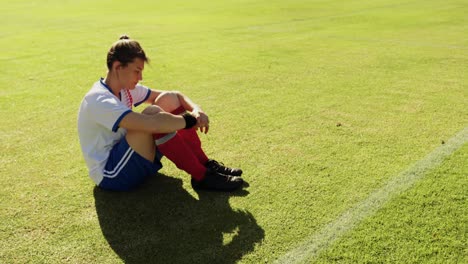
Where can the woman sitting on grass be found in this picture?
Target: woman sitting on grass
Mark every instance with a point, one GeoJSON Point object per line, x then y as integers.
{"type": "Point", "coordinates": [121, 147]}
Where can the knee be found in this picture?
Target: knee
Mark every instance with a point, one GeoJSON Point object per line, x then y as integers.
{"type": "Point", "coordinates": [168, 101]}
{"type": "Point", "coordinates": [151, 110]}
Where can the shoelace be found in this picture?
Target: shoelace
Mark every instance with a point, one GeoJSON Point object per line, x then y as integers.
{"type": "Point", "coordinates": [219, 165]}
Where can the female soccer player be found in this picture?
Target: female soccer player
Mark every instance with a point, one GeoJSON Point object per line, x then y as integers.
{"type": "Point", "coordinates": [121, 147]}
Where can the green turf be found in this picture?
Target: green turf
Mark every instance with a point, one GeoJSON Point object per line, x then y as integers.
{"type": "Point", "coordinates": [425, 225]}
{"type": "Point", "coordinates": [320, 102]}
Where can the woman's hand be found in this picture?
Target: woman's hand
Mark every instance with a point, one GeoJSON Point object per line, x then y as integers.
{"type": "Point", "coordinates": [203, 122]}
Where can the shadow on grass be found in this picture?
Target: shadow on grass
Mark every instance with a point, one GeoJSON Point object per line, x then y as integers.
{"type": "Point", "coordinates": [162, 223]}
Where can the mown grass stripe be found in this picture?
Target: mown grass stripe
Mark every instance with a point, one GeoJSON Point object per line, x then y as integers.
{"type": "Point", "coordinates": [320, 241]}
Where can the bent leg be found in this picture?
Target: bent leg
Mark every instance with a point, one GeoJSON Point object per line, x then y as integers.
{"type": "Point", "coordinates": [170, 145]}
{"type": "Point", "coordinates": [170, 103]}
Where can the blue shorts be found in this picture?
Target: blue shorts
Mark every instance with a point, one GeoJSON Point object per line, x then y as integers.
{"type": "Point", "coordinates": [125, 169]}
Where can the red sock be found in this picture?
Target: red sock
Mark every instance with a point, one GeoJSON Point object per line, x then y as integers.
{"type": "Point", "coordinates": [191, 138]}
{"type": "Point", "coordinates": [177, 151]}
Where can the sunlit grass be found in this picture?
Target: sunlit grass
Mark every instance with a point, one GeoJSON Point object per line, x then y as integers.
{"type": "Point", "coordinates": [320, 102]}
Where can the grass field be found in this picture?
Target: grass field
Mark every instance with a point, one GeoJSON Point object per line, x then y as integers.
{"type": "Point", "coordinates": [320, 102]}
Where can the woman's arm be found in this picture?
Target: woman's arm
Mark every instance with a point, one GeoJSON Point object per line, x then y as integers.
{"type": "Point", "coordinates": [161, 122]}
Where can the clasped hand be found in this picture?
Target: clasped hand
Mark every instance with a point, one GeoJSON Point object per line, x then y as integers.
{"type": "Point", "coordinates": [203, 122]}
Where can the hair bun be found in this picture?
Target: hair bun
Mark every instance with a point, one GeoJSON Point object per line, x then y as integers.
{"type": "Point", "coordinates": [124, 37]}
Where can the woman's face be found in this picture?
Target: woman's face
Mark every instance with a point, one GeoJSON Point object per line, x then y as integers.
{"type": "Point", "coordinates": [131, 74]}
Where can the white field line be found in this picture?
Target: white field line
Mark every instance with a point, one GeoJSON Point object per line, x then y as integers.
{"type": "Point", "coordinates": [320, 241]}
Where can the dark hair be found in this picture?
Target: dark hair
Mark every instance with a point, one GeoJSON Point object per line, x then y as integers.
{"type": "Point", "coordinates": [125, 50]}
